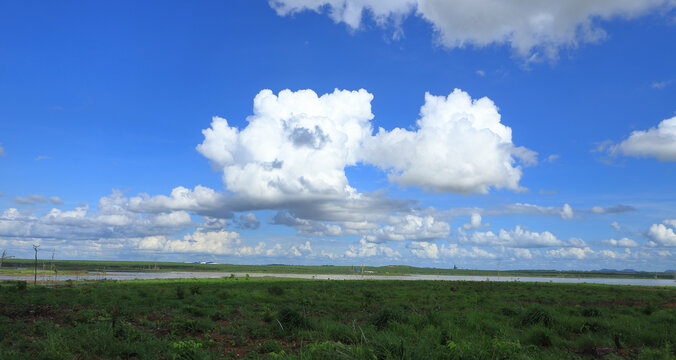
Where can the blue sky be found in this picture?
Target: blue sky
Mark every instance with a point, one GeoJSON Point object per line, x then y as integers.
{"type": "Point", "coordinates": [482, 134]}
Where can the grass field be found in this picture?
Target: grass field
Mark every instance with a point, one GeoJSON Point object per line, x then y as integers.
{"type": "Point", "coordinates": [311, 319]}
{"type": "Point", "coordinates": [77, 266]}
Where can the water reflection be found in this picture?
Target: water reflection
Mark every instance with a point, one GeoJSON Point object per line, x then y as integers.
{"type": "Point", "coordinates": [119, 275]}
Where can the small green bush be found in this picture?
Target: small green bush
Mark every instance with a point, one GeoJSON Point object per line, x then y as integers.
{"type": "Point", "coordinates": [293, 320]}
{"type": "Point", "coordinates": [386, 316]}
{"type": "Point", "coordinates": [275, 290]}
{"type": "Point", "coordinates": [537, 315]}
{"type": "Point", "coordinates": [590, 312]}
{"type": "Point", "coordinates": [539, 337]}
{"type": "Point", "coordinates": [270, 346]}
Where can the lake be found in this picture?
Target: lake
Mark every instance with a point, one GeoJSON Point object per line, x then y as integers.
{"type": "Point", "coordinates": [119, 275]}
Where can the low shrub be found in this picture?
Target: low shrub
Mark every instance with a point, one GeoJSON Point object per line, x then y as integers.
{"type": "Point", "coordinates": [537, 315]}
{"type": "Point", "coordinates": [275, 290]}
{"type": "Point", "coordinates": [386, 316]}
{"type": "Point", "coordinates": [293, 320]}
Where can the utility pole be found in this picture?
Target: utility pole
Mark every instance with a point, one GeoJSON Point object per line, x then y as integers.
{"type": "Point", "coordinates": [35, 279]}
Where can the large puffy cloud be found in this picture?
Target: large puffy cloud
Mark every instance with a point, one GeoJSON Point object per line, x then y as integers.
{"type": "Point", "coordinates": [460, 146]}
{"type": "Point", "coordinates": [658, 142]}
{"type": "Point", "coordinates": [294, 150]}
{"type": "Point", "coordinates": [295, 147]}
{"type": "Point", "coordinates": [532, 27]}
{"type": "Point", "coordinates": [662, 235]}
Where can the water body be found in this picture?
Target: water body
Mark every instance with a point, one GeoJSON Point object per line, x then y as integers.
{"type": "Point", "coordinates": [119, 275]}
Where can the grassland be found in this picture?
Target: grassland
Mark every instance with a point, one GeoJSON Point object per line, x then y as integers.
{"type": "Point", "coordinates": [78, 266]}
{"type": "Point", "coordinates": [311, 319]}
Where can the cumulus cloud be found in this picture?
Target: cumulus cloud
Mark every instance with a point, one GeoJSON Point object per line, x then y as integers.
{"type": "Point", "coordinates": [369, 249]}
{"type": "Point", "coordinates": [410, 227]}
{"type": "Point", "coordinates": [424, 249]}
{"type": "Point", "coordinates": [113, 218]}
{"type": "Point", "coordinates": [519, 237]}
{"type": "Point", "coordinates": [460, 146]}
{"type": "Point", "coordinates": [658, 142]}
{"type": "Point", "coordinates": [474, 222]}
{"type": "Point", "coordinates": [295, 147]}
{"type": "Point", "coordinates": [202, 200]}
{"type": "Point", "coordinates": [624, 242]}
{"type": "Point", "coordinates": [214, 242]}
{"type": "Point", "coordinates": [567, 212]}
{"type": "Point", "coordinates": [662, 235]}
{"type": "Point", "coordinates": [570, 253]}
{"type": "Point", "coordinates": [533, 29]}
{"type": "Point", "coordinates": [249, 221]}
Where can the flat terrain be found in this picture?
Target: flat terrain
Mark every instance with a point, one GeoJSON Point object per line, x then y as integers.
{"type": "Point", "coordinates": [80, 266]}
{"type": "Point", "coordinates": [320, 319]}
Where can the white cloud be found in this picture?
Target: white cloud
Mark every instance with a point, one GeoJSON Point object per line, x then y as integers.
{"type": "Point", "coordinates": [460, 146]}
{"type": "Point", "coordinates": [658, 142]}
{"type": "Point", "coordinates": [553, 157]}
{"type": "Point", "coordinates": [609, 254]}
{"type": "Point", "coordinates": [662, 235]}
{"type": "Point", "coordinates": [659, 85]}
{"type": "Point", "coordinates": [201, 199]}
{"type": "Point", "coordinates": [453, 251]}
{"type": "Point", "coordinates": [213, 242]}
{"type": "Point", "coordinates": [615, 225]}
{"type": "Point", "coordinates": [2, 150]}
{"type": "Point", "coordinates": [424, 249]}
{"type": "Point", "coordinates": [172, 219]}
{"type": "Point", "coordinates": [567, 212]}
{"type": "Point", "coordinates": [532, 28]}
{"type": "Point", "coordinates": [295, 147]}
{"type": "Point", "coordinates": [481, 73]}
{"type": "Point", "coordinates": [411, 227]}
{"type": "Point", "coordinates": [574, 252]}
{"type": "Point", "coordinates": [624, 242]}
{"type": "Point", "coordinates": [518, 237]}
{"type": "Point", "coordinates": [369, 249]}
{"type": "Point", "coordinates": [474, 222]}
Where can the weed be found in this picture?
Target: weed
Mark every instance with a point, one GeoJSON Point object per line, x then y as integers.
{"type": "Point", "coordinates": [386, 316]}
{"type": "Point", "coordinates": [270, 346]}
{"type": "Point", "coordinates": [276, 290]}
{"type": "Point", "coordinates": [293, 320]}
{"type": "Point", "coordinates": [590, 312]}
{"type": "Point", "coordinates": [537, 315]}
{"type": "Point", "coordinates": [539, 336]}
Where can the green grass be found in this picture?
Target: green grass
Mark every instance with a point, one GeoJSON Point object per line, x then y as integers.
{"type": "Point", "coordinates": [313, 319]}
{"type": "Point", "coordinates": [77, 266]}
